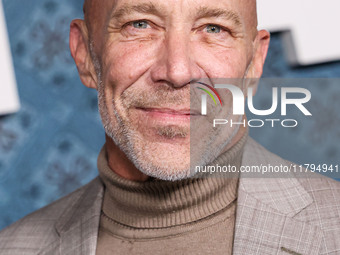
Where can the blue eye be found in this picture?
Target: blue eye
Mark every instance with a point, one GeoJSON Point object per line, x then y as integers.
{"type": "Point", "coordinates": [213, 29]}
{"type": "Point", "coordinates": [140, 24]}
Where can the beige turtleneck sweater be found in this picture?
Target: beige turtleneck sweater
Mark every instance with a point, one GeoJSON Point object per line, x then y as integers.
{"type": "Point", "coordinates": [192, 216]}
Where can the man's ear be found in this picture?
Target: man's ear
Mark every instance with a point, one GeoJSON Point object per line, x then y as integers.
{"type": "Point", "coordinates": [80, 52]}
{"type": "Point", "coordinates": [260, 49]}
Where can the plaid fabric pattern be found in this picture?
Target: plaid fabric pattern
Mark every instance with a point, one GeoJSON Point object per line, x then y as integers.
{"type": "Point", "coordinates": [274, 216]}
{"type": "Point", "coordinates": [68, 226]}
{"type": "Point", "coordinates": [286, 215]}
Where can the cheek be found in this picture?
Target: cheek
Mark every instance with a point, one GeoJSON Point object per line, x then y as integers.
{"type": "Point", "coordinates": [125, 63]}
{"type": "Point", "coordinates": [222, 62]}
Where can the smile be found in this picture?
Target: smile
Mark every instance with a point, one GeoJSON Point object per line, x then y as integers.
{"type": "Point", "coordinates": [168, 115]}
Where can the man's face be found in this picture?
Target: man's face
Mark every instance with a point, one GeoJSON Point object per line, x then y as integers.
{"type": "Point", "coordinates": [147, 54]}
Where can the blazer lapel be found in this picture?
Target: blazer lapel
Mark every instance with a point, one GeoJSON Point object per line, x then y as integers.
{"type": "Point", "coordinates": [78, 226]}
{"type": "Point", "coordinates": [266, 208]}
{"type": "Point", "coordinates": [263, 229]}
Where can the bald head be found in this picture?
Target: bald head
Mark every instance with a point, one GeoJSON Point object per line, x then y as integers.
{"type": "Point", "coordinates": [95, 13]}
{"type": "Point", "coordinates": [248, 10]}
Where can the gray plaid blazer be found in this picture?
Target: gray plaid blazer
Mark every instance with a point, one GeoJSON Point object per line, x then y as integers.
{"type": "Point", "coordinates": [274, 216]}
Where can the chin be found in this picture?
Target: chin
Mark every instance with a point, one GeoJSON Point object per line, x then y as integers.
{"type": "Point", "coordinates": [170, 173]}
{"type": "Point", "coordinates": [163, 161]}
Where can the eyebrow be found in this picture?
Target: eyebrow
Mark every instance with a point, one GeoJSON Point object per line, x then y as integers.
{"type": "Point", "coordinates": [205, 12]}
{"type": "Point", "coordinates": [146, 8]}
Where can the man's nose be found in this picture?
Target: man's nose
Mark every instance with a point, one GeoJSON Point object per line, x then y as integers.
{"type": "Point", "coordinates": [176, 64]}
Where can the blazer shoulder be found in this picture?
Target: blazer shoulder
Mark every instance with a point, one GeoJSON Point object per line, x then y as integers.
{"type": "Point", "coordinates": [38, 230]}
{"type": "Point", "coordinates": [316, 192]}
{"type": "Point", "coordinates": [324, 212]}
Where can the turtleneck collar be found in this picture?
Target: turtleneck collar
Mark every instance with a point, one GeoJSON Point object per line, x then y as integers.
{"type": "Point", "coordinates": [161, 204]}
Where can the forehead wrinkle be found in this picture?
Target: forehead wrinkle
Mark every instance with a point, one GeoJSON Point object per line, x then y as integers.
{"type": "Point", "coordinates": [94, 17]}
{"type": "Point", "coordinates": [206, 12]}
{"type": "Point", "coordinates": [92, 6]}
{"type": "Point", "coordinates": [145, 8]}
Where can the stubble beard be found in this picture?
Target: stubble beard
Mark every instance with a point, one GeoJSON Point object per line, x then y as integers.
{"type": "Point", "coordinates": [204, 148]}
{"type": "Point", "coordinates": [126, 136]}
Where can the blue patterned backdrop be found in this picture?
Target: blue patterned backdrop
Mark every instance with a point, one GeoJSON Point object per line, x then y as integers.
{"type": "Point", "coordinates": [49, 148]}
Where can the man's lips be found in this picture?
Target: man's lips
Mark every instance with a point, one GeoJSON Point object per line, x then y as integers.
{"type": "Point", "coordinates": [168, 114]}
{"type": "Point", "coordinates": [170, 111]}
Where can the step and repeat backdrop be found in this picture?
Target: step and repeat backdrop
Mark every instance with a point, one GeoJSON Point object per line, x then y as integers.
{"type": "Point", "coordinates": [49, 146]}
